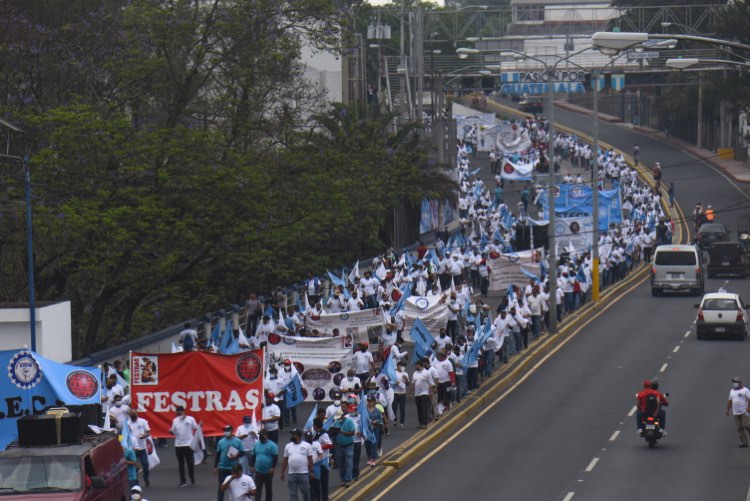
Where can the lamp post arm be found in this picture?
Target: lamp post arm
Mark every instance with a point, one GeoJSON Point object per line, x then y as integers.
{"type": "Point", "coordinates": [706, 40]}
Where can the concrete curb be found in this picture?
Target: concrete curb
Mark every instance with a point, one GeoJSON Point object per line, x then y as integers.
{"type": "Point", "coordinates": [415, 447]}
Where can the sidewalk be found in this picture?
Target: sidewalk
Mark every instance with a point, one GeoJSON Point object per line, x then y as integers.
{"type": "Point", "coordinates": [738, 171]}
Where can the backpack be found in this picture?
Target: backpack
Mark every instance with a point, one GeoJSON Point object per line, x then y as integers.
{"type": "Point", "coordinates": [188, 344]}
{"type": "Point", "coordinates": [652, 401]}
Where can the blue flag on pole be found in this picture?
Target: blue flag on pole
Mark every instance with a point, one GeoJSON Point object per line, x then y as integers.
{"type": "Point", "coordinates": [226, 338]}
{"type": "Point", "coordinates": [328, 422]}
{"type": "Point", "coordinates": [422, 338]}
{"type": "Point", "coordinates": [364, 421]}
{"type": "Point", "coordinates": [388, 369]}
{"type": "Point", "coordinates": [216, 335]}
{"type": "Point", "coordinates": [293, 395]}
{"type": "Point", "coordinates": [309, 423]}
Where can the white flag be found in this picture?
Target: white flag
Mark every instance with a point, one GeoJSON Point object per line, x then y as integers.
{"type": "Point", "coordinates": [107, 419]}
{"type": "Point", "coordinates": [198, 444]}
{"type": "Point", "coordinates": [153, 457]}
{"type": "Point", "coordinates": [381, 272]}
{"type": "Point", "coordinates": [175, 349]}
{"type": "Point", "coordinates": [354, 273]}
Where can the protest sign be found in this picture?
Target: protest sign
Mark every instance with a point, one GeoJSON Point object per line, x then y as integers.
{"type": "Point", "coordinates": [432, 311]}
{"type": "Point", "coordinates": [321, 362]}
{"type": "Point", "coordinates": [215, 389]}
{"type": "Point", "coordinates": [509, 268]}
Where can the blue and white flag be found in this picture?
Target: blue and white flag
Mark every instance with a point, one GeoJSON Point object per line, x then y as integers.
{"type": "Point", "coordinates": [388, 369]}
{"type": "Point", "coordinates": [422, 338]}
{"type": "Point", "coordinates": [293, 394]}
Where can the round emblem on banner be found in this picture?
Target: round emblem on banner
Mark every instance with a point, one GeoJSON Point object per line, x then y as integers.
{"type": "Point", "coordinates": [602, 212]}
{"type": "Point", "coordinates": [422, 303]}
{"type": "Point", "coordinates": [82, 384]}
{"type": "Point", "coordinates": [560, 229]}
{"type": "Point", "coordinates": [274, 338]}
{"type": "Point", "coordinates": [575, 228]}
{"type": "Point", "coordinates": [508, 168]}
{"type": "Point", "coordinates": [344, 316]}
{"type": "Point", "coordinates": [249, 367]}
{"type": "Point", "coordinates": [24, 371]}
{"type": "Point", "coordinates": [513, 257]}
{"type": "Point", "coordinates": [577, 192]}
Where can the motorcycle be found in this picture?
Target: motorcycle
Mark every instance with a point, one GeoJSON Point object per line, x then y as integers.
{"type": "Point", "coordinates": [651, 431]}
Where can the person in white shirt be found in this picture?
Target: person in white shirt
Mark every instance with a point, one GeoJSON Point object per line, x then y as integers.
{"type": "Point", "coordinates": [188, 337]}
{"type": "Point", "coordinates": [139, 433]}
{"type": "Point", "coordinates": [119, 412]}
{"type": "Point", "coordinates": [248, 434]}
{"type": "Point", "coordinates": [241, 486]}
{"type": "Point", "coordinates": [396, 354]}
{"type": "Point", "coordinates": [298, 461]}
{"type": "Point", "coordinates": [424, 387]}
{"type": "Point", "coordinates": [183, 428]}
{"type": "Point", "coordinates": [265, 328]}
{"type": "Point", "coordinates": [399, 394]}
{"type": "Point", "coordinates": [270, 418]}
{"type": "Point", "coordinates": [354, 303]}
{"type": "Point", "coordinates": [739, 398]}
{"type": "Point", "coordinates": [536, 306]}
{"type": "Point", "coordinates": [362, 362]}
{"type": "Point", "coordinates": [369, 285]}
{"type": "Point", "coordinates": [351, 383]}
{"type": "Point", "coordinates": [112, 388]}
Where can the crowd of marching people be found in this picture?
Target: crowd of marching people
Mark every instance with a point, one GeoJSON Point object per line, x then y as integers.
{"type": "Point", "coordinates": [455, 361]}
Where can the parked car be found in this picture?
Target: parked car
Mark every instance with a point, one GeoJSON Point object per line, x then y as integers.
{"type": "Point", "coordinates": [531, 104]}
{"type": "Point", "coordinates": [93, 470]}
{"type": "Point", "coordinates": [728, 258]}
{"type": "Point", "coordinates": [677, 268]}
{"type": "Point", "coordinates": [721, 313]}
{"type": "Point", "coordinates": [709, 233]}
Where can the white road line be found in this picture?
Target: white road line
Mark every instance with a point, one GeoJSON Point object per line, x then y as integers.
{"type": "Point", "coordinates": [569, 496]}
{"type": "Point", "coordinates": [592, 464]}
{"type": "Point", "coordinates": [747, 498]}
{"type": "Point", "coordinates": [663, 368]}
{"type": "Point", "coordinates": [632, 411]}
{"type": "Point", "coordinates": [676, 349]}
{"type": "Point", "coordinates": [614, 436]}
{"type": "Point", "coordinates": [687, 334]}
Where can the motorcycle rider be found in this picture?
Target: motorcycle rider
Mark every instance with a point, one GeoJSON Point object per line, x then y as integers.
{"type": "Point", "coordinates": [650, 401]}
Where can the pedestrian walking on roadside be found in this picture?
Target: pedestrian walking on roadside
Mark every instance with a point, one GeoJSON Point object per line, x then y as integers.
{"type": "Point", "coordinates": [739, 396]}
{"type": "Point", "coordinates": [183, 428]}
{"type": "Point", "coordinates": [670, 192]}
{"type": "Point", "coordinates": [298, 460]}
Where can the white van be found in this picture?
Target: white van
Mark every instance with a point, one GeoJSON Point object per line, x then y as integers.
{"type": "Point", "coordinates": [677, 268]}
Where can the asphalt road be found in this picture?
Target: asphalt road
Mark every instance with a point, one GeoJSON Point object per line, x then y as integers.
{"type": "Point", "coordinates": [567, 433]}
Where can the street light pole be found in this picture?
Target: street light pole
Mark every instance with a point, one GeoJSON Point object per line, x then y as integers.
{"type": "Point", "coordinates": [595, 202]}
{"type": "Point", "coordinates": [552, 254]}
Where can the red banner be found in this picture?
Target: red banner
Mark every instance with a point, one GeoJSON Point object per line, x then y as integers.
{"type": "Point", "coordinates": [215, 389]}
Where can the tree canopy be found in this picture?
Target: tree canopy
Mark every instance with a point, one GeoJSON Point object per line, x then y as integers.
{"type": "Point", "coordinates": [180, 159]}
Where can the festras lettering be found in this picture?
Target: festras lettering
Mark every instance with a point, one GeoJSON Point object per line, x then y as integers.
{"type": "Point", "coordinates": [197, 401]}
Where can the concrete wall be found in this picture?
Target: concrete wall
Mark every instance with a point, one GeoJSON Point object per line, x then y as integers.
{"type": "Point", "coordinates": [323, 69]}
{"type": "Point", "coordinates": [53, 330]}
